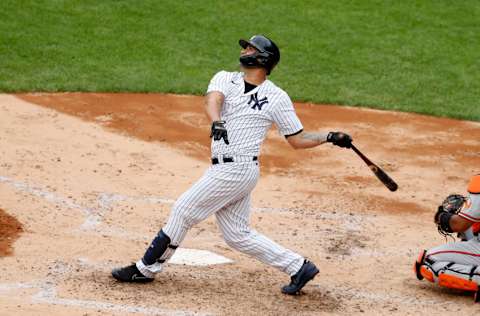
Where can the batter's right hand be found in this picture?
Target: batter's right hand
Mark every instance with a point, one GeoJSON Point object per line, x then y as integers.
{"type": "Point", "coordinates": [340, 139]}
{"type": "Point", "coordinates": [219, 131]}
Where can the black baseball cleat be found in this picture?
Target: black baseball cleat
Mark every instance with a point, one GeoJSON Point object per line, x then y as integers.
{"type": "Point", "coordinates": [307, 272]}
{"type": "Point", "coordinates": [130, 274]}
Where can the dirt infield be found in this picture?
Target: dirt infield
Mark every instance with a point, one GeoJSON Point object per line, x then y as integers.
{"type": "Point", "coordinates": [86, 180]}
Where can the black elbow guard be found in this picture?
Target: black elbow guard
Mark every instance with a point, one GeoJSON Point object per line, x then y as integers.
{"type": "Point", "coordinates": [445, 222]}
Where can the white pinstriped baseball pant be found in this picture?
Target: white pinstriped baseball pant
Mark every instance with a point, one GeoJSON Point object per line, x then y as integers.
{"type": "Point", "coordinates": [224, 190]}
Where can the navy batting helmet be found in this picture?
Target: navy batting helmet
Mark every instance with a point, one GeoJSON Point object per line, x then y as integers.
{"type": "Point", "coordinates": [267, 55]}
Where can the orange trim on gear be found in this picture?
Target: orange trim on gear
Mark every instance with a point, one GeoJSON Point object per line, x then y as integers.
{"type": "Point", "coordinates": [474, 185]}
{"type": "Point", "coordinates": [476, 228]}
{"type": "Point", "coordinates": [454, 282]}
{"type": "Point", "coordinates": [427, 274]}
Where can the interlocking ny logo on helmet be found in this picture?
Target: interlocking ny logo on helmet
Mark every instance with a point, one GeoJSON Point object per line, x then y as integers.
{"type": "Point", "coordinates": [266, 56]}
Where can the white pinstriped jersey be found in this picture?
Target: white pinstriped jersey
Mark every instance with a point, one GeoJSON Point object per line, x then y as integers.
{"type": "Point", "coordinates": [250, 115]}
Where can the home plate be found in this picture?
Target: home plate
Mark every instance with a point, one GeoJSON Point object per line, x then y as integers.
{"type": "Point", "coordinates": [195, 257]}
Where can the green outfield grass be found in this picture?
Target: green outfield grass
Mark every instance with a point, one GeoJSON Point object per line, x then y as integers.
{"type": "Point", "coordinates": [416, 56]}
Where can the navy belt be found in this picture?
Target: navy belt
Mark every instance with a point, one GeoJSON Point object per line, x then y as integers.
{"type": "Point", "coordinates": [231, 159]}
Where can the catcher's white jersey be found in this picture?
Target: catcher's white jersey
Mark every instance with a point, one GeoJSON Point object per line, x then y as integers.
{"type": "Point", "coordinates": [250, 115]}
{"type": "Point", "coordinates": [471, 209]}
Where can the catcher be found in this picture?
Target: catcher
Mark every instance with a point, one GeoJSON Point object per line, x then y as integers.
{"type": "Point", "coordinates": [456, 265]}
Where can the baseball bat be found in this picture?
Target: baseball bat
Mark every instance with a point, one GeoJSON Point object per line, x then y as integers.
{"type": "Point", "coordinates": [379, 173]}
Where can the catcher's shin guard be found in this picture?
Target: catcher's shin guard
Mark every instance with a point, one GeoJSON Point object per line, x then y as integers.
{"type": "Point", "coordinates": [455, 282]}
{"type": "Point", "coordinates": [456, 276]}
{"type": "Point", "coordinates": [449, 274]}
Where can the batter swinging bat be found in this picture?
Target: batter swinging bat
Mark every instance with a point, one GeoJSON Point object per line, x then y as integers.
{"type": "Point", "coordinates": [379, 173]}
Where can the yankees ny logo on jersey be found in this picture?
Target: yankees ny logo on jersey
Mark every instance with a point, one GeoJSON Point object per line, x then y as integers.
{"type": "Point", "coordinates": [256, 102]}
{"type": "Point", "coordinates": [250, 115]}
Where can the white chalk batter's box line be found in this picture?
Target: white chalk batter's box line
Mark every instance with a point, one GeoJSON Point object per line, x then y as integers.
{"type": "Point", "coordinates": [94, 218]}
{"type": "Point", "coordinates": [94, 222]}
{"type": "Point", "coordinates": [105, 201]}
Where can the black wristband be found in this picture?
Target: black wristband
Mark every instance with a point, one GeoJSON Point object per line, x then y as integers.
{"type": "Point", "coordinates": [445, 221]}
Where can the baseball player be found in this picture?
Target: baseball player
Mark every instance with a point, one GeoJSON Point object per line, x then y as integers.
{"type": "Point", "coordinates": [457, 264]}
{"type": "Point", "coordinates": [242, 106]}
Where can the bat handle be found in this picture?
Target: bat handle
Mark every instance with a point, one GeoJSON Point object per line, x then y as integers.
{"type": "Point", "coordinates": [359, 153]}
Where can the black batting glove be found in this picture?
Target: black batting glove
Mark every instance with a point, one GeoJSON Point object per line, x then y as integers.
{"type": "Point", "coordinates": [219, 131]}
{"type": "Point", "coordinates": [340, 139]}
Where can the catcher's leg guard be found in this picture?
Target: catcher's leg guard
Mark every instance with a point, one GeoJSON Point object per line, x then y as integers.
{"type": "Point", "coordinates": [427, 274]}
{"type": "Point", "coordinates": [457, 276]}
{"type": "Point", "coordinates": [455, 282]}
{"type": "Point", "coordinates": [453, 275]}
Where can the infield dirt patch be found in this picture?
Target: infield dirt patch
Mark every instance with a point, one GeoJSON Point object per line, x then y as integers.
{"type": "Point", "coordinates": [91, 178]}
{"type": "Point", "coordinates": [10, 230]}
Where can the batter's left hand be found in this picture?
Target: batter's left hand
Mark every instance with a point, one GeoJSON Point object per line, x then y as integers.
{"type": "Point", "coordinates": [219, 131]}
{"type": "Point", "coordinates": [340, 139]}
